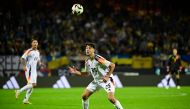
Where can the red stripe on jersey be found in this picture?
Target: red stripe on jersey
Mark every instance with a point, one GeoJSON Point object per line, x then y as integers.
{"type": "Point", "coordinates": [101, 59]}
{"type": "Point", "coordinates": [28, 79]}
{"type": "Point", "coordinates": [112, 81]}
{"type": "Point", "coordinates": [28, 51]}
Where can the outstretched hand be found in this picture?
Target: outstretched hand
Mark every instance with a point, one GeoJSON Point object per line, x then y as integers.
{"type": "Point", "coordinates": [73, 70]}
{"type": "Point", "coordinates": [42, 64]}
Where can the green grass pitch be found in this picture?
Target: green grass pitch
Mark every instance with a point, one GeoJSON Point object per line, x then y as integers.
{"type": "Point", "coordinates": [130, 98]}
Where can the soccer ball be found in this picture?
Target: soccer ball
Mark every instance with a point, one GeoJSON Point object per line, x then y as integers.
{"type": "Point", "coordinates": [77, 9]}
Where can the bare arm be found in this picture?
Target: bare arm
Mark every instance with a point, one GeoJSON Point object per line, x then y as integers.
{"type": "Point", "coordinates": [73, 70]}
{"type": "Point", "coordinates": [41, 64]}
{"type": "Point", "coordinates": [111, 69]}
{"type": "Point", "coordinates": [23, 63]}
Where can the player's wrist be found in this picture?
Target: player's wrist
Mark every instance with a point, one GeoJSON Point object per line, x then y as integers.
{"type": "Point", "coordinates": [78, 73]}
{"type": "Point", "coordinates": [24, 66]}
{"type": "Point", "coordinates": [107, 75]}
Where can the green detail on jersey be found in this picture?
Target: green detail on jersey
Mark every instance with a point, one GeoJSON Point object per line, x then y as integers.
{"type": "Point", "coordinates": [170, 56]}
{"type": "Point", "coordinates": [102, 66]}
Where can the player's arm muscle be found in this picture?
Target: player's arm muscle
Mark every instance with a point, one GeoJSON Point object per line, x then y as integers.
{"type": "Point", "coordinates": [111, 69]}
{"type": "Point", "coordinates": [23, 62]}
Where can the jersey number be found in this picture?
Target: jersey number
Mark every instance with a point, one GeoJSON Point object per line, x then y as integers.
{"type": "Point", "coordinates": [94, 70]}
{"type": "Point", "coordinates": [108, 86]}
{"type": "Point", "coordinates": [35, 58]}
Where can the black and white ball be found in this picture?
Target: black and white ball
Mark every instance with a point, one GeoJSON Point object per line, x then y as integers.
{"type": "Point", "coordinates": [77, 9]}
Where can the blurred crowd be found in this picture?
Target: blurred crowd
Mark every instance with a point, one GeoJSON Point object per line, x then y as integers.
{"type": "Point", "coordinates": [117, 29]}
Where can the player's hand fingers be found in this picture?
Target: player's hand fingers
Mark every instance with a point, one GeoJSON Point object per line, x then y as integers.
{"type": "Point", "coordinates": [70, 69]}
{"type": "Point", "coordinates": [104, 79]}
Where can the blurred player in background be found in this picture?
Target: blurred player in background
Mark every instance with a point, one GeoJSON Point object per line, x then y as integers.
{"type": "Point", "coordinates": [174, 68]}
{"type": "Point", "coordinates": [29, 62]}
{"type": "Point", "coordinates": [101, 70]}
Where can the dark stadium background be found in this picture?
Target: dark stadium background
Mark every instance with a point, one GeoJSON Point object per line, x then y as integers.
{"type": "Point", "coordinates": [138, 35]}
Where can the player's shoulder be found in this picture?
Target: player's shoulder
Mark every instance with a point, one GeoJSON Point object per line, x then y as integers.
{"type": "Point", "coordinates": [99, 56]}
{"type": "Point", "coordinates": [87, 59]}
{"type": "Point", "coordinates": [28, 51]}
{"type": "Point", "coordinates": [100, 59]}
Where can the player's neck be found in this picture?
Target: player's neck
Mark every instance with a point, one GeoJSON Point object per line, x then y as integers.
{"type": "Point", "coordinates": [92, 56]}
{"type": "Point", "coordinates": [34, 48]}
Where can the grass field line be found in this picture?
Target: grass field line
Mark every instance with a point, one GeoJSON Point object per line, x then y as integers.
{"type": "Point", "coordinates": [130, 97]}
{"type": "Point", "coordinates": [169, 95]}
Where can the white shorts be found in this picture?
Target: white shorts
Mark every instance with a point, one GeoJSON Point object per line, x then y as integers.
{"type": "Point", "coordinates": [108, 86]}
{"type": "Point", "coordinates": [31, 75]}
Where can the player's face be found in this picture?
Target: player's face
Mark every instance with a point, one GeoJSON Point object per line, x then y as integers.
{"type": "Point", "coordinates": [89, 50]}
{"type": "Point", "coordinates": [34, 44]}
{"type": "Point", "coordinates": [174, 51]}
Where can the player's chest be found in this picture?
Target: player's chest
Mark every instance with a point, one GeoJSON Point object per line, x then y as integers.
{"type": "Point", "coordinates": [33, 55]}
{"type": "Point", "coordinates": [93, 64]}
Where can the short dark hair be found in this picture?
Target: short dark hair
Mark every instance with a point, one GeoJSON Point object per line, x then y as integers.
{"type": "Point", "coordinates": [34, 40]}
{"type": "Point", "coordinates": [90, 44]}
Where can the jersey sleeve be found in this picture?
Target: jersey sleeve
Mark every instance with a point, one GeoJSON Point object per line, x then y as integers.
{"type": "Point", "coordinates": [24, 56]}
{"type": "Point", "coordinates": [102, 60]}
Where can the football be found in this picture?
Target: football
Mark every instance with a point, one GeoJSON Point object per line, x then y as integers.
{"type": "Point", "coordinates": [77, 9]}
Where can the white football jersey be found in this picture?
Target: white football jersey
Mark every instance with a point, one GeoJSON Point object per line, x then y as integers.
{"type": "Point", "coordinates": [31, 57]}
{"type": "Point", "coordinates": [98, 67]}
